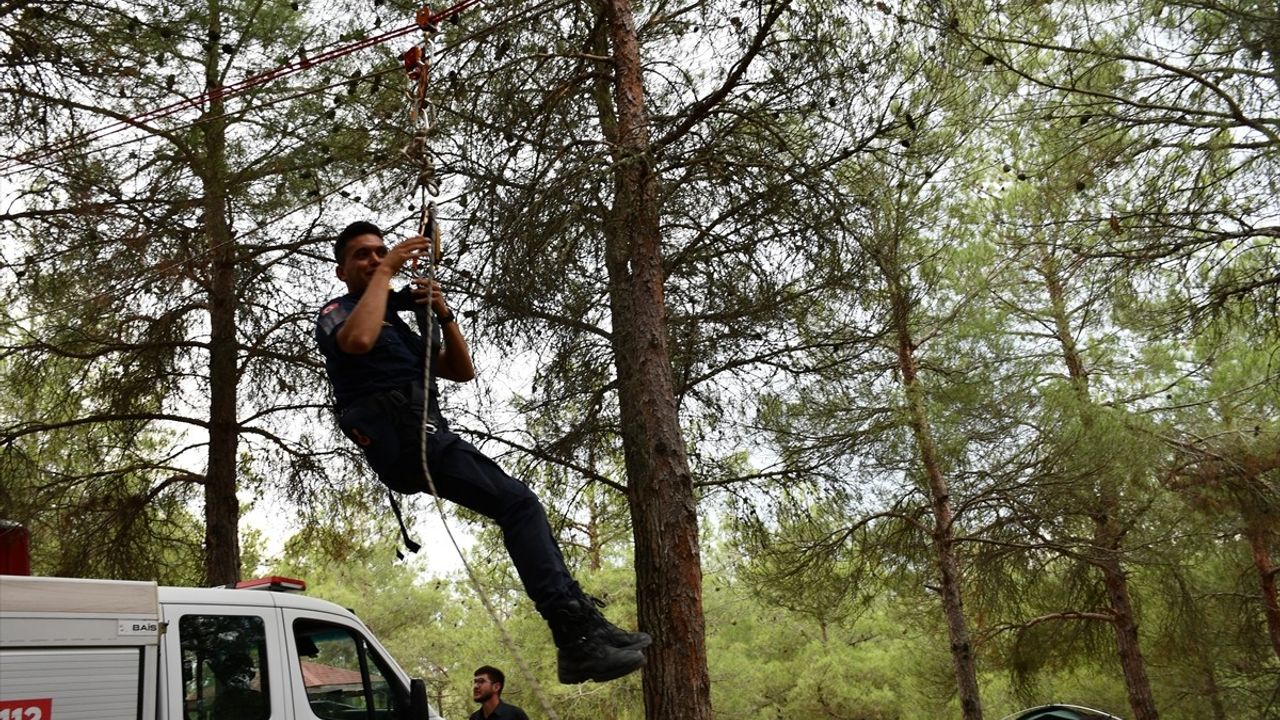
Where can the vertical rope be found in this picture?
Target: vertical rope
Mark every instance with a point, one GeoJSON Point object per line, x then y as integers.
{"type": "Point", "coordinates": [423, 115]}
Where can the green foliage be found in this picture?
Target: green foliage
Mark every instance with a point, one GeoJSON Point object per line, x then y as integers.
{"type": "Point", "coordinates": [1062, 212]}
{"type": "Point", "coordinates": [112, 525]}
{"type": "Point", "coordinates": [119, 269]}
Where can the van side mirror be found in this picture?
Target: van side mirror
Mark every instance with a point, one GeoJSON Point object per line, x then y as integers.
{"type": "Point", "coordinates": [418, 699]}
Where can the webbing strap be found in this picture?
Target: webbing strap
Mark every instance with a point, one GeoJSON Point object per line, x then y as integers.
{"type": "Point", "coordinates": [404, 531]}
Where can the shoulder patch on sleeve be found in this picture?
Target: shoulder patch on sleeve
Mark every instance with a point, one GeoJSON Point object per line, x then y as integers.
{"type": "Point", "coordinates": [331, 316]}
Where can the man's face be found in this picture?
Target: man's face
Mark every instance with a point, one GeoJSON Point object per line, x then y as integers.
{"type": "Point", "coordinates": [360, 258]}
{"type": "Point", "coordinates": [482, 688]}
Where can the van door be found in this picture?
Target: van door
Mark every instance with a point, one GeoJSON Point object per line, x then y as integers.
{"type": "Point", "coordinates": [338, 673]}
{"type": "Point", "coordinates": [228, 661]}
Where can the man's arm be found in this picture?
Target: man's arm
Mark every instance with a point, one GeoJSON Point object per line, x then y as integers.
{"type": "Point", "coordinates": [454, 361]}
{"type": "Point", "coordinates": [359, 333]}
{"type": "Point", "coordinates": [455, 358]}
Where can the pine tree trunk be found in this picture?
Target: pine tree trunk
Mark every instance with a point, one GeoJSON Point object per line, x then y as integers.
{"type": "Point", "coordinates": [1267, 579]}
{"type": "Point", "coordinates": [1141, 700]}
{"type": "Point", "coordinates": [963, 661]}
{"type": "Point", "coordinates": [1107, 534]}
{"type": "Point", "coordinates": [676, 682]}
{"type": "Point", "coordinates": [1212, 689]}
{"type": "Point", "coordinates": [222, 509]}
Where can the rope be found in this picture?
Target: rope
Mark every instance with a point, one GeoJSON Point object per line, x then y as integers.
{"type": "Point", "coordinates": [229, 91]}
{"type": "Point", "coordinates": [207, 253]}
{"type": "Point", "coordinates": [422, 110]}
{"type": "Point", "coordinates": [36, 162]}
{"type": "Point", "coordinates": [422, 114]}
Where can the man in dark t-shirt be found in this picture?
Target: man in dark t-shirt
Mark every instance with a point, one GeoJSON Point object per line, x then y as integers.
{"type": "Point", "coordinates": [486, 689]}
{"type": "Point", "coordinates": [374, 361]}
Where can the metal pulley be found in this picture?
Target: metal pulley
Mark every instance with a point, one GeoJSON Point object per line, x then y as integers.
{"type": "Point", "coordinates": [417, 66]}
{"type": "Point", "coordinates": [427, 181]}
{"type": "Point", "coordinates": [429, 227]}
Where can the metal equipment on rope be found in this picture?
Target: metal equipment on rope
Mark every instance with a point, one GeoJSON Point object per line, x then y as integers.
{"type": "Point", "coordinates": [418, 61]}
{"type": "Point", "coordinates": [422, 116]}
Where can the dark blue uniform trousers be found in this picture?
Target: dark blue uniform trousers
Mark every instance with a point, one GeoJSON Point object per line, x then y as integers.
{"type": "Point", "coordinates": [464, 475]}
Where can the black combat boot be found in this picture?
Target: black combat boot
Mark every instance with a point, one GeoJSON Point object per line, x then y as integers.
{"type": "Point", "coordinates": [611, 634]}
{"type": "Point", "coordinates": [581, 653]}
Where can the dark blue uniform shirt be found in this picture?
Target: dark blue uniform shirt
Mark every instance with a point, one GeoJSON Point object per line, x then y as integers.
{"type": "Point", "coordinates": [504, 711]}
{"type": "Point", "coordinates": [393, 363]}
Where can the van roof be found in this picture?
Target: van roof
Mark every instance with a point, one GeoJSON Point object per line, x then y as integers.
{"type": "Point", "coordinates": [247, 598]}
{"type": "Point", "coordinates": [40, 595]}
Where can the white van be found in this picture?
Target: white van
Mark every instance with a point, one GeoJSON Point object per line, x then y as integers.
{"type": "Point", "coordinates": [121, 650]}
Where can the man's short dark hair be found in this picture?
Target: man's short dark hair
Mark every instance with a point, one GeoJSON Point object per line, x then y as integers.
{"type": "Point", "coordinates": [354, 230]}
{"type": "Point", "coordinates": [495, 675]}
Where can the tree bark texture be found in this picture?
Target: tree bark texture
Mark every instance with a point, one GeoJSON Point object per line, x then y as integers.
{"type": "Point", "coordinates": [1266, 569]}
{"type": "Point", "coordinates": [1213, 691]}
{"type": "Point", "coordinates": [1132, 664]}
{"type": "Point", "coordinates": [1108, 532]}
{"type": "Point", "coordinates": [1239, 470]}
{"type": "Point", "coordinates": [676, 681]}
{"type": "Point", "coordinates": [943, 540]}
{"type": "Point", "coordinates": [221, 508]}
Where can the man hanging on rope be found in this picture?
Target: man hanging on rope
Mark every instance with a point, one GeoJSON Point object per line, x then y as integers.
{"type": "Point", "coordinates": [375, 364]}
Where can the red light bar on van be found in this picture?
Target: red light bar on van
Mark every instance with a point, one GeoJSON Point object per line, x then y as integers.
{"type": "Point", "coordinates": [274, 583]}
{"type": "Point", "coordinates": [15, 549]}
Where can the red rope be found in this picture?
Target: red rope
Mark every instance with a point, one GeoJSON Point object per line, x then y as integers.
{"type": "Point", "coordinates": [230, 91]}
